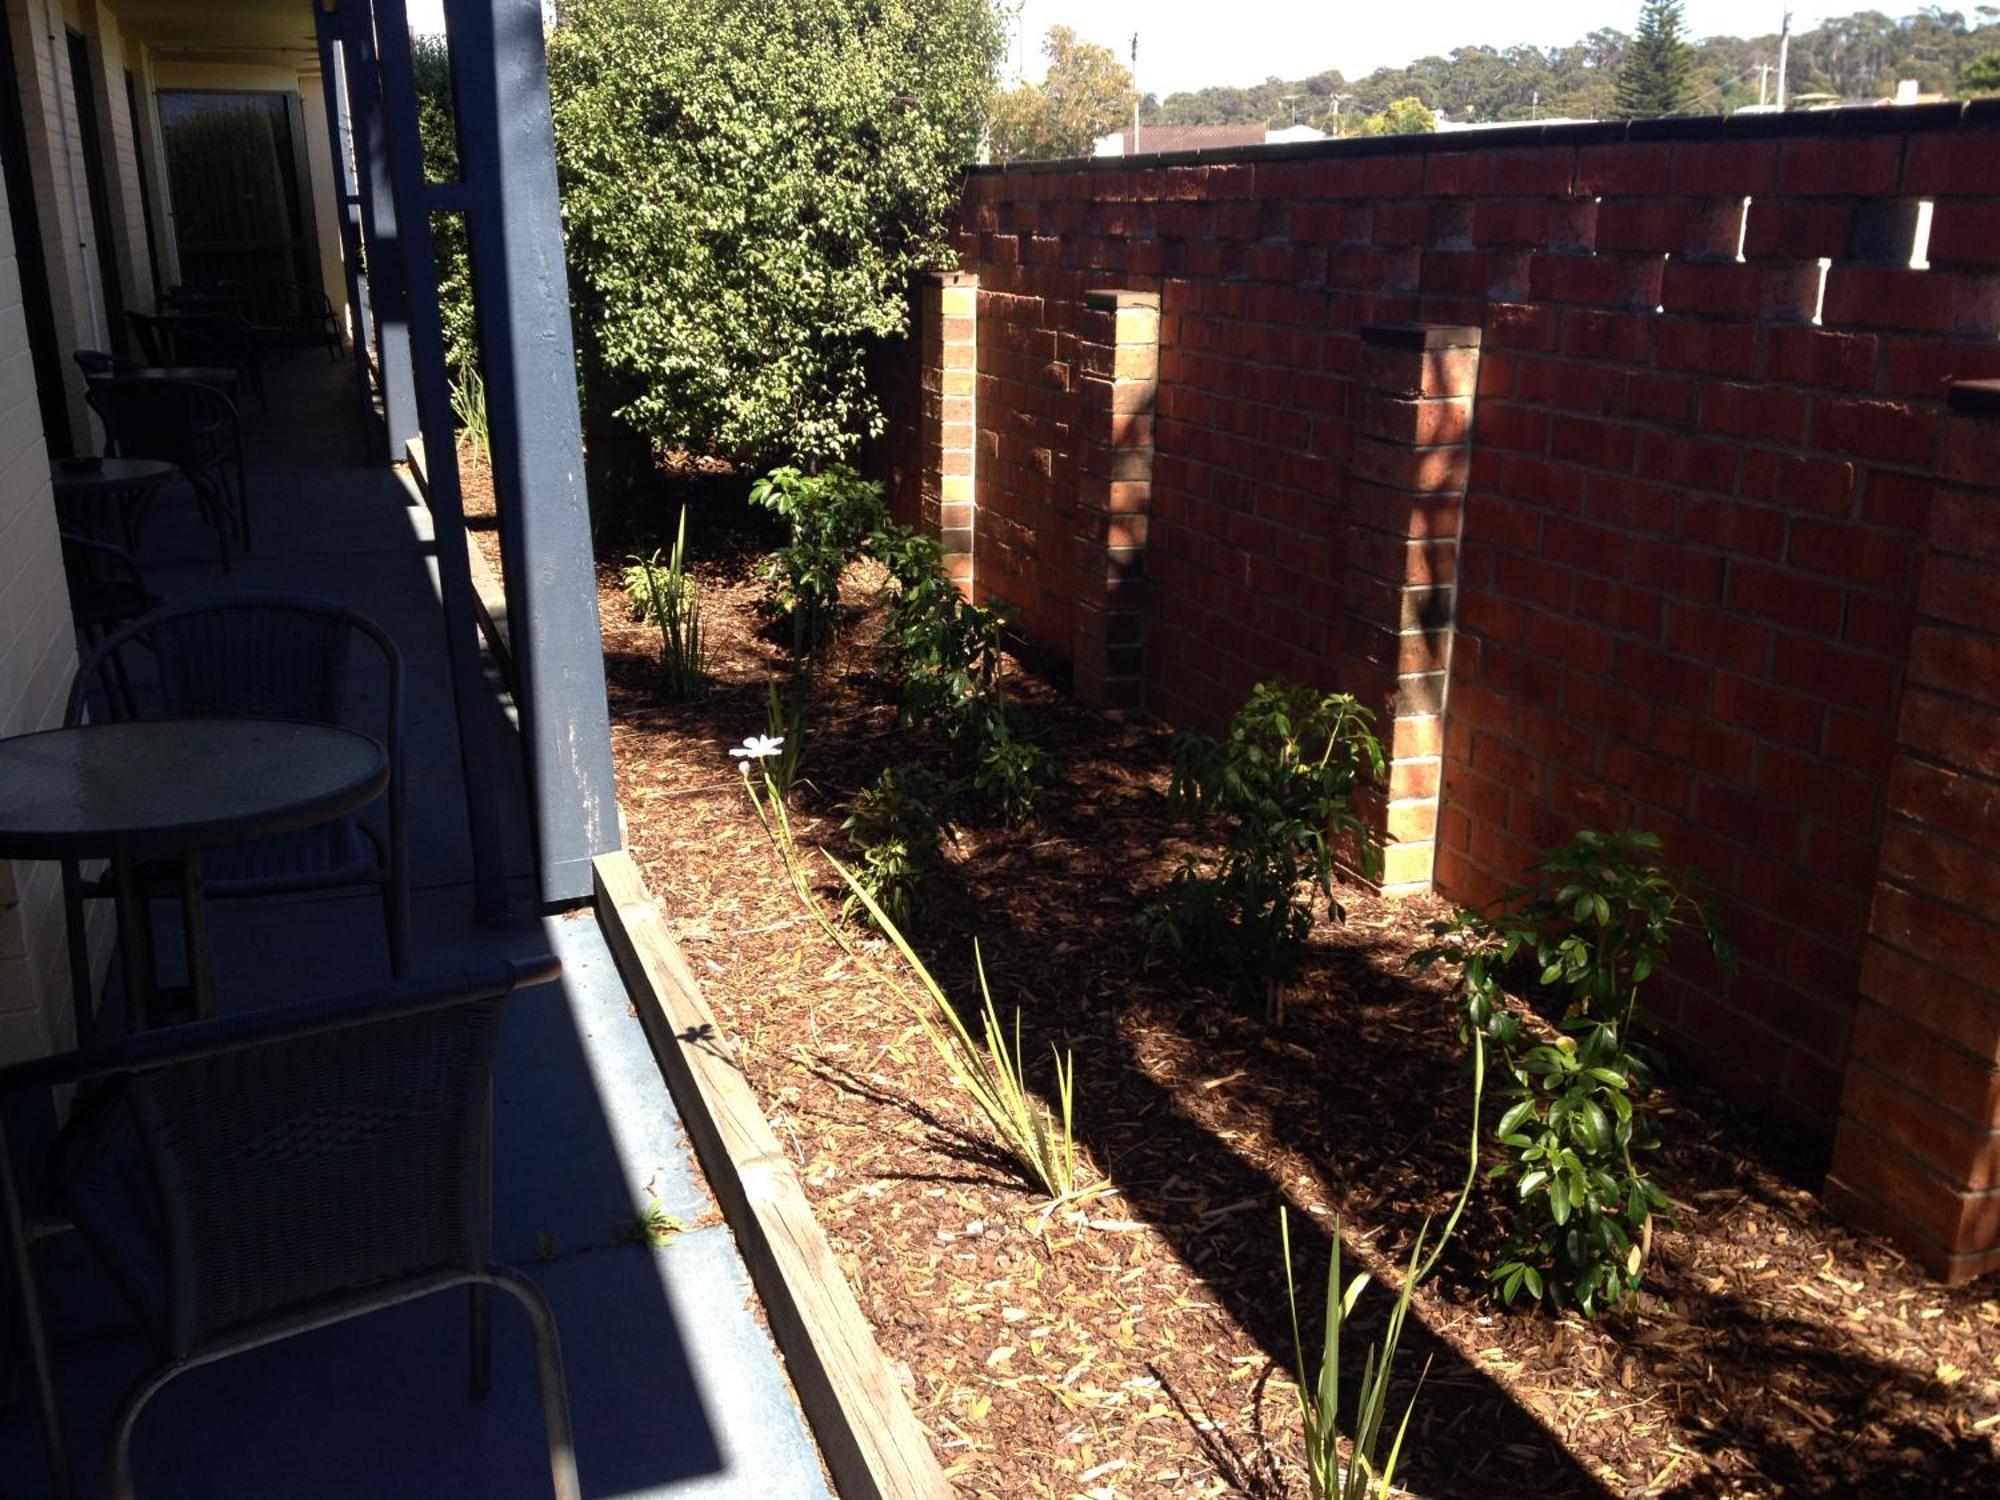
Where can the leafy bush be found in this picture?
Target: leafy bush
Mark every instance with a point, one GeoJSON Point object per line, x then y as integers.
{"type": "Point", "coordinates": [748, 191]}
{"type": "Point", "coordinates": [832, 515]}
{"type": "Point", "coordinates": [437, 134]}
{"type": "Point", "coordinates": [899, 826]}
{"type": "Point", "coordinates": [669, 596]}
{"type": "Point", "coordinates": [948, 653]}
{"type": "Point", "coordinates": [1576, 1121]}
{"type": "Point", "coordinates": [1282, 784]}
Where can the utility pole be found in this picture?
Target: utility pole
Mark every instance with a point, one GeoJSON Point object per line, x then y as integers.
{"type": "Point", "coordinates": [1784, 56]}
{"type": "Point", "coordinates": [1764, 72]}
{"type": "Point", "coordinates": [1135, 93]}
{"type": "Point", "coordinates": [1338, 100]}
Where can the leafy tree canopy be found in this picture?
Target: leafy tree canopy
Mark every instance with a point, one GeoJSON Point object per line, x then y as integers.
{"type": "Point", "coordinates": [1858, 57]}
{"type": "Point", "coordinates": [1407, 116]}
{"type": "Point", "coordinates": [1087, 93]}
{"type": "Point", "coordinates": [1657, 75]}
{"type": "Point", "coordinates": [747, 192]}
{"type": "Point", "coordinates": [1982, 75]}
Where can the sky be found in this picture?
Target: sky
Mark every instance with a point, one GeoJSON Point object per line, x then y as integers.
{"type": "Point", "coordinates": [1190, 44]}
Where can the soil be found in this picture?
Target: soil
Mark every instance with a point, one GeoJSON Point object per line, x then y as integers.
{"type": "Point", "coordinates": [1140, 1344]}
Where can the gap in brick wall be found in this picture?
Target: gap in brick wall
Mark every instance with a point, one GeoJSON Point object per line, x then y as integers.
{"type": "Point", "coordinates": [1920, 248]}
{"type": "Point", "coordinates": [1742, 227]}
{"type": "Point", "coordinates": [1819, 295]}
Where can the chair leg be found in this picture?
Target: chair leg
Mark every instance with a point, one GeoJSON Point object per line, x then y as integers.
{"type": "Point", "coordinates": [549, 1371]}
{"type": "Point", "coordinates": [22, 1252]}
{"type": "Point", "coordinates": [83, 1003]}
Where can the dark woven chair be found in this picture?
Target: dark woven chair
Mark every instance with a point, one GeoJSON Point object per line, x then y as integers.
{"type": "Point", "coordinates": [97, 365]}
{"type": "Point", "coordinates": [262, 1175]}
{"type": "Point", "coordinates": [192, 426]}
{"type": "Point", "coordinates": [264, 656]}
{"type": "Point", "coordinates": [304, 316]}
{"type": "Point", "coordinates": [106, 591]}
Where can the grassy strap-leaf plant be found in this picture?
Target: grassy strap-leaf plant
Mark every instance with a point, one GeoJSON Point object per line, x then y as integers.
{"type": "Point", "coordinates": [1597, 925]}
{"type": "Point", "coordinates": [1281, 785]}
{"type": "Point", "coordinates": [668, 595]}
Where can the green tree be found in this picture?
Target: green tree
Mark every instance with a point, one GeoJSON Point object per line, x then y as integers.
{"type": "Point", "coordinates": [437, 130]}
{"type": "Point", "coordinates": [1982, 75]}
{"type": "Point", "coordinates": [1087, 93]}
{"type": "Point", "coordinates": [1406, 116]}
{"type": "Point", "coordinates": [747, 193]}
{"type": "Point", "coordinates": [1657, 76]}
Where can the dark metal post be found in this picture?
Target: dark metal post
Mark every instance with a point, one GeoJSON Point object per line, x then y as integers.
{"type": "Point", "coordinates": [346, 191]}
{"type": "Point", "coordinates": [506, 145]}
{"type": "Point", "coordinates": [395, 127]}
{"type": "Point", "coordinates": [388, 294]}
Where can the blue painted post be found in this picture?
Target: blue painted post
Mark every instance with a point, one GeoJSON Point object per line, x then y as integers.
{"type": "Point", "coordinates": [402, 173]}
{"type": "Point", "coordinates": [388, 296]}
{"type": "Point", "coordinates": [347, 192]}
{"type": "Point", "coordinates": [506, 148]}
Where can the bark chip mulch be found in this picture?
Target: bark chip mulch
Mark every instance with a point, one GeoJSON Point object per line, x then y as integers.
{"type": "Point", "coordinates": [1139, 1345]}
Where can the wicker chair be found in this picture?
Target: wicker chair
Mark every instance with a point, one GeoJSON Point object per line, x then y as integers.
{"type": "Point", "coordinates": [305, 316]}
{"type": "Point", "coordinates": [262, 1175]}
{"type": "Point", "coordinates": [192, 426]}
{"type": "Point", "coordinates": [97, 365]}
{"type": "Point", "coordinates": [263, 656]}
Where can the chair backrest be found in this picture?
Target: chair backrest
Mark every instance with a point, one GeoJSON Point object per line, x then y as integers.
{"type": "Point", "coordinates": [145, 333]}
{"type": "Point", "coordinates": [86, 560]}
{"type": "Point", "coordinates": [180, 422]}
{"type": "Point", "coordinates": [298, 1170]}
{"type": "Point", "coordinates": [260, 656]}
{"type": "Point", "coordinates": [97, 365]}
{"type": "Point", "coordinates": [293, 1155]}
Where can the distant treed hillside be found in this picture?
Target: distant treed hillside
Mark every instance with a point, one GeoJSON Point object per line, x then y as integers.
{"type": "Point", "coordinates": [1857, 57]}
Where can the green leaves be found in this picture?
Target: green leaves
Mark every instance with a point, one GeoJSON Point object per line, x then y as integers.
{"type": "Point", "coordinates": [1599, 927]}
{"type": "Point", "coordinates": [748, 192]}
{"type": "Point", "coordinates": [832, 515]}
{"type": "Point", "coordinates": [1281, 784]}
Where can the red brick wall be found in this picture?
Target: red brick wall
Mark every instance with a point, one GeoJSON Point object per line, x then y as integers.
{"type": "Point", "coordinates": [1693, 510]}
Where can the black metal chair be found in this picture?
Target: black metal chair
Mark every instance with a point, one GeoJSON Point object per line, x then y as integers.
{"type": "Point", "coordinates": [192, 426]}
{"type": "Point", "coordinates": [204, 333]}
{"type": "Point", "coordinates": [305, 316]}
{"type": "Point", "coordinates": [261, 656]}
{"type": "Point", "coordinates": [106, 591]}
{"type": "Point", "coordinates": [97, 365]}
{"type": "Point", "coordinates": [258, 1176]}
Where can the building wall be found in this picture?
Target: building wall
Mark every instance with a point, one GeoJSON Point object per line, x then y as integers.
{"type": "Point", "coordinates": [1703, 449]}
{"type": "Point", "coordinates": [37, 659]}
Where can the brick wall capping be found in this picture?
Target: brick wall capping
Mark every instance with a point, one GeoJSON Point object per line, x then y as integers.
{"type": "Point", "coordinates": [1975, 398]}
{"type": "Point", "coordinates": [951, 278]}
{"type": "Point", "coordinates": [1110, 299]}
{"type": "Point", "coordinates": [1856, 120]}
{"type": "Point", "coordinates": [1421, 336]}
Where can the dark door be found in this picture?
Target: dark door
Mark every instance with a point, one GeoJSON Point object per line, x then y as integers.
{"type": "Point", "coordinates": [43, 351]}
{"type": "Point", "coordinates": [145, 189]}
{"type": "Point", "coordinates": [233, 172]}
{"type": "Point", "coordinates": [85, 101]}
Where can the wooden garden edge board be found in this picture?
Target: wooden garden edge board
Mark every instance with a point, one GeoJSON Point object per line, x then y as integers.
{"type": "Point", "coordinates": [871, 1440]}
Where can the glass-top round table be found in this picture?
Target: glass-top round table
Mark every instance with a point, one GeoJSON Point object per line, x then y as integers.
{"type": "Point", "coordinates": [166, 789]}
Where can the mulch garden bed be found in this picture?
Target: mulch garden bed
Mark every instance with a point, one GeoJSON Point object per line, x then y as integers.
{"type": "Point", "coordinates": [1140, 1345]}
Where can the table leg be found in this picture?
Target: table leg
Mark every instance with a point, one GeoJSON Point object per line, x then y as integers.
{"type": "Point", "coordinates": [194, 931]}
{"type": "Point", "coordinates": [135, 944]}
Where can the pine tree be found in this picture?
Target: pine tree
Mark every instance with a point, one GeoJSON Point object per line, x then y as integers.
{"type": "Point", "coordinates": [1657, 76]}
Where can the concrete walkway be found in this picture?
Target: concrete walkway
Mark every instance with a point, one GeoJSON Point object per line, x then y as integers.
{"type": "Point", "coordinates": [675, 1388]}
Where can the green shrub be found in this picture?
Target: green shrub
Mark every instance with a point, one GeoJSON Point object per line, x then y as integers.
{"type": "Point", "coordinates": [1281, 784]}
{"type": "Point", "coordinates": [899, 826]}
{"type": "Point", "coordinates": [948, 653]}
{"type": "Point", "coordinates": [1596, 929]}
{"type": "Point", "coordinates": [748, 193]}
{"type": "Point", "coordinates": [668, 596]}
{"type": "Point", "coordinates": [832, 514]}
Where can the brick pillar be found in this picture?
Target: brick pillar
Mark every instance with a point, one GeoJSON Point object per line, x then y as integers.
{"type": "Point", "coordinates": [949, 318]}
{"type": "Point", "coordinates": [1118, 358]}
{"type": "Point", "coordinates": [1407, 503]}
{"type": "Point", "coordinates": [1916, 1154]}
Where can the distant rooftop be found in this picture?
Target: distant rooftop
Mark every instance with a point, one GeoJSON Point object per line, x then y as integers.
{"type": "Point", "coordinates": [1158, 139]}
